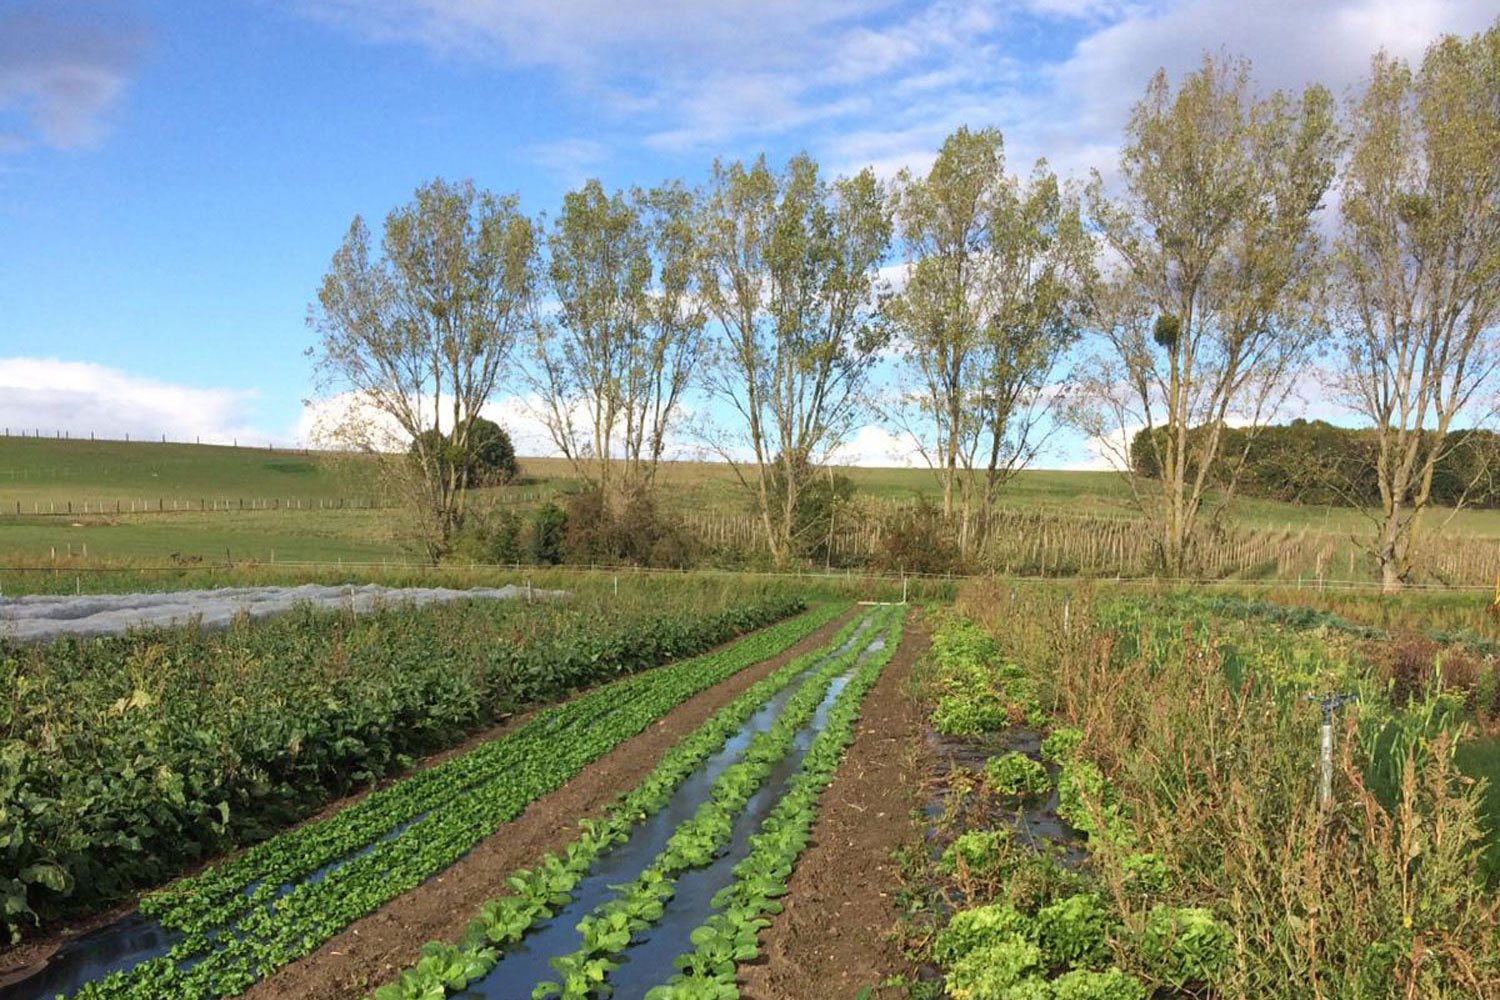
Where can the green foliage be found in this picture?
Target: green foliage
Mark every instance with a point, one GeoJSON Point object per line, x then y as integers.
{"type": "Point", "coordinates": [1016, 774]}
{"type": "Point", "coordinates": [1145, 872]}
{"type": "Point", "coordinates": [977, 928]}
{"type": "Point", "coordinates": [1314, 462]}
{"type": "Point", "coordinates": [1071, 931]}
{"type": "Point", "coordinates": [128, 757]}
{"type": "Point", "coordinates": [380, 853]}
{"type": "Point", "coordinates": [969, 715]}
{"type": "Point", "coordinates": [1087, 801]}
{"type": "Point", "coordinates": [1061, 744]}
{"type": "Point", "coordinates": [979, 691]}
{"type": "Point", "coordinates": [1186, 946]}
{"type": "Point", "coordinates": [487, 457]}
{"type": "Point", "coordinates": [819, 495]}
{"type": "Point", "coordinates": [490, 539]}
{"type": "Point", "coordinates": [730, 936]}
{"type": "Point", "coordinates": [990, 972]}
{"type": "Point", "coordinates": [549, 526]}
{"type": "Point", "coordinates": [1086, 984]}
{"type": "Point", "coordinates": [977, 850]}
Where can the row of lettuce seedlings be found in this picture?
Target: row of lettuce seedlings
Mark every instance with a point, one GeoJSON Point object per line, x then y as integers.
{"type": "Point", "coordinates": [628, 915]}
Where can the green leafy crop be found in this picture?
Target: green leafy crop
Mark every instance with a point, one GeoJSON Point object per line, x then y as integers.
{"type": "Point", "coordinates": [1016, 774]}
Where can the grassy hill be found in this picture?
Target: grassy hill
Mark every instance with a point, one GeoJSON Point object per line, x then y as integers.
{"type": "Point", "coordinates": [114, 500]}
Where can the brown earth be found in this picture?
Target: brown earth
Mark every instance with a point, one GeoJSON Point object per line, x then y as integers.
{"type": "Point", "coordinates": [375, 948]}
{"type": "Point", "coordinates": [836, 933]}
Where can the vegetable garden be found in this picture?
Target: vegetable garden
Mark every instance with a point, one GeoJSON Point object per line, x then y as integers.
{"type": "Point", "coordinates": [1091, 795]}
{"type": "Point", "coordinates": [129, 758]}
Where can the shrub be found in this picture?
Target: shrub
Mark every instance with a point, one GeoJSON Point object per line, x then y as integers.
{"type": "Point", "coordinates": [630, 528]}
{"type": "Point", "coordinates": [969, 714]}
{"type": "Point", "coordinates": [1061, 744]}
{"type": "Point", "coordinates": [916, 540]}
{"type": "Point", "coordinates": [493, 538]}
{"type": "Point", "coordinates": [990, 972]}
{"type": "Point", "coordinates": [1016, 774]}
{"type": "Point", "coordinates": [970, 930]}
{"type": "Point", "coordinates": [549, 525]}
{"type": "Point", "coordinates": [1186, 946]}
{"type": "Point", "coordinates": [1083, 984]}
{"type": "Point", "coordinates": [1071, 931]}
{"type": "Point", "coordinates": [978, 850]}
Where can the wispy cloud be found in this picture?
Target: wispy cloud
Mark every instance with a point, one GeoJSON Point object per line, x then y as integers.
{"type": "Point", "coordinates": [79, 397]}
{"type": "Point", "coordinates": [880, 83]}
{"type": "Point", "coordinates": [63, 68]}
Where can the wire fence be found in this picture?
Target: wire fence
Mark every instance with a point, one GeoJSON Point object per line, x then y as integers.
{"type": "Point", "coordinates": [626, 570]}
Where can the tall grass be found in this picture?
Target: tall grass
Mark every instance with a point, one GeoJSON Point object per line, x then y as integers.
{"type": "Point", "coordinates": [1215, 767]}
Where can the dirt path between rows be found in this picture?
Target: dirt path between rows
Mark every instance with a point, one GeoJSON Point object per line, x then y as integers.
{"type": "Point", "coordinates": [834, 936]}
{"type": "Point", "coordinates": [374, 949]}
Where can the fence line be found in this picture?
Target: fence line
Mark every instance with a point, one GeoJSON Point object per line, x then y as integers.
{"type": "Point", "coordinates": [67, 435]}
{"type": "Point", "coordinates": [162, 505]}
{"type": "Point", "coordinates": [810, 573]}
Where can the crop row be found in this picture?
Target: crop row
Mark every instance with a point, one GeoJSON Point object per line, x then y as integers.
{"type": "Point", "coordinates": [256, 875]}
{"type": "Point", "coordinates": [538, 893]}
{"type": "Point", "coordinates": [127, 757]}
{"type": "Point", "coordinates": [635, 907]}
{"type": "Point", "coordinates": [222, 956]}
{"type": "Point", "coordinates": [732, 935]}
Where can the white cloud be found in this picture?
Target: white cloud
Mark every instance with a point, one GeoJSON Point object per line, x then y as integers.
{"type": "Point", "coordinates": [48, 395]}
{"type": "Point", "coordinates": [63, 68]}
{"type": "Point", "coordinates": [575, 160]}
{"type": "Point", "coordinates": [881, 83]}
{"type": "Point", "coordinates": [321, 422]}
{"type": "Point", "coordinates": [1290, 43]}
{"type": "Point", "coordinates": [876, 447]}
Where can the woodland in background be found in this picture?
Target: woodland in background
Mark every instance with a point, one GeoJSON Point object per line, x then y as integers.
{"type": "Point", "coordinates": [1318, 463]}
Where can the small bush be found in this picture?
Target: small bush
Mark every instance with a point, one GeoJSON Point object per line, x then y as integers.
{"type": "Point", "coordinates": [970, 930]}
{"type": "Point", "coordinates": [489, 538]}
{"type": "Point", "coordinates": [991, 972]}
{"type": "Point", "coordinates": [1061, 744]}
{"type": "Point", "coordinates": [1083, 984]}
{"type": "Point", "coordinates": [1186, 946]}
{"type": "Point", "coordinates": [1071, 931]}
{"type": "Point", "coordinates": [1016, 774]}
{"type": "Point", "coordinates": [916, 540]}
{"type": "Point", "coordinates": [549, 525]}
{"type": "Point", "coordinates": [977, 851]}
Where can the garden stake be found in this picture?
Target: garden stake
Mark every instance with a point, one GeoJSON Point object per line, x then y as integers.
{"type": "Point", "coordinates": [1329, 702]}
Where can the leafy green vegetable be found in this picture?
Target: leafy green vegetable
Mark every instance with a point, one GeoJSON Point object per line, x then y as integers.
{"type": "Point", "coordinates": [1016, 774]}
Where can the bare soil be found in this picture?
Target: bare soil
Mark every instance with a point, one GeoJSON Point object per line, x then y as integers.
{"type": "Point", "coordinates": [836, 934]}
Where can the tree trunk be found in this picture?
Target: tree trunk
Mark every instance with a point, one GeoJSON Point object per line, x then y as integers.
{"type": "Point", "coordinates": [1388, 555]}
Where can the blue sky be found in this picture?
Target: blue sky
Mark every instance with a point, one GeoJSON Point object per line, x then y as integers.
{"type": "Point", "coordinates": [175, 175]}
